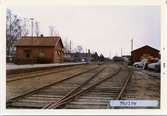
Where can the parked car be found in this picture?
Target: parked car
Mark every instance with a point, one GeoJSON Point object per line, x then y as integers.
{"type": "Point", "coordinates": [155, 66]}
{"type": "Point", "coordinates": [141, 64]}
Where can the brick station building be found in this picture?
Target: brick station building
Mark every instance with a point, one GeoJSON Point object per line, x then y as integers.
{"type": "Point", "coordinates": [144, 52]}
{"type": "Point", "coordinates": [30, 50]}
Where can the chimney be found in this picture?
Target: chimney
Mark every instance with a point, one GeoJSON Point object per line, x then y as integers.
{"type": "Point", "coordinates": [41, 35]}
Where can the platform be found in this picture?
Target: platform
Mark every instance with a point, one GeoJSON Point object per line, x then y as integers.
{"type": "Point", "coordinates": [13, 68]}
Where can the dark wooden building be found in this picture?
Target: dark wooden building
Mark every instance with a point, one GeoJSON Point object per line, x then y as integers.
{"type": "Point", "coordinates": [144, 52]}
{"type": "Point", "coordinates": [30, 50]}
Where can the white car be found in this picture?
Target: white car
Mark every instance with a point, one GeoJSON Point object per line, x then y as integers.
{"type": "Point", "coordinates": [155, 66]}
{"type": "Point", "coordinates": [141, 64]}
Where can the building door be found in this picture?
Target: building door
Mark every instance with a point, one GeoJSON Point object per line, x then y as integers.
{"type": "Point", "coordinates": [27, 53]}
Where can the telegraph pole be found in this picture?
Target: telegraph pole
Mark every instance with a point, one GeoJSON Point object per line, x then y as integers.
{"type": "Point", "coordinates": [132, 49]}
{"type": "Point", "coordinates": [110, 54]}
{"type": "Point", "coordinates": [32, 26]}
{"type": "Point", "coordinates": [121, 52]}
{"type": "Point", "coordinates": [131, 44]}
{"type": "Point", "coordinates": [37, 28]}
{"type": "Point", "coordinates": [70, 46]}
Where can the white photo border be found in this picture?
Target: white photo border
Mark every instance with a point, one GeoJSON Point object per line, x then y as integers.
{"type": "Point", "coordinates": [163, 99]}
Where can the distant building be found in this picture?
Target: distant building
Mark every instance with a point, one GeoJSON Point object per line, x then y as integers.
{"type": "Point", "coordinates": [144, 52]}
{"type": "Point", "coordinates": [126, 58]}
{"type": "Point", "coordinates": [117, 58]}
{"type": "Point", "coordinates": [77, 57]}
{"type": "Point", "coordinates": [39, 50]}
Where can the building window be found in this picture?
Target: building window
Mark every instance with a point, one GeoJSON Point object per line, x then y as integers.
{"type": "Point", "coordinates": [59, 52]}
{"type": "Point", "coordinates": [27, 53]}
{"type": "Point", "coordinates": [41, 53]}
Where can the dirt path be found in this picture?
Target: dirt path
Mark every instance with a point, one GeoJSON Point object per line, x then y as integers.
{"type": "Point", "coordinates": [146, 87]}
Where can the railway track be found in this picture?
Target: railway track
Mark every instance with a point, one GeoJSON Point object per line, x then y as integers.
{"type": "Point", "coordinates": [92, 89]}
{"type": "Point", "coordinates": [50, 85]}
{"type": "Point", "coordinates": [15, 77]}
{"type": "Point", "coordinates": [112, 88]}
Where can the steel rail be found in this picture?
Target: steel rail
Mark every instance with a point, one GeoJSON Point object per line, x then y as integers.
{"type": "Point", "coordinates": [36, 90]}
{"type": "Point", "coordinates": [50, 105]}
{"type": "Point", "coordinates": [66, 100]}
{"type": "Point", "coordinates": [124, 85]}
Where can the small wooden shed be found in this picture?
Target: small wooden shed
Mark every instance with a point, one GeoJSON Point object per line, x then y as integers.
{"type": "Point", "coordinates": [30, 50]}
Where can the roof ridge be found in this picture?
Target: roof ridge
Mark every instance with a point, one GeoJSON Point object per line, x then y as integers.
{"type": "Point", "coordinates": [40, 37]}
{"type": "Point", "coordinates": [40, 41]}
{"type": "Point", "coordinates": [146, 46]}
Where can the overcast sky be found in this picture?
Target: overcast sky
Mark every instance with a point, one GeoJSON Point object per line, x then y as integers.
{"type": "Point", "coordinates": [105, 29]}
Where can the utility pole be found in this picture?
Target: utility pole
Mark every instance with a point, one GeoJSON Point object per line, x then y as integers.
{"type": "Point", "coordinates": [110, 54]}
{"type": "Point", "coordinates": [70, 46]}
{"type": "Point", "coordinates": [132, 49]}
{"type": "Point", "coordinates": [37, 28]}
{"type": "Point", "coordinates": [121, 52]}
{"type": "Point", "coordinates": [131, 44]}
{"type": "Point", "coordinates": [32, 26]}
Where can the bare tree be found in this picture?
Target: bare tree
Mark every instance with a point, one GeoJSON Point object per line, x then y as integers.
{"type": "Point", "coordinates": [101, 58]}
{"type": "Point", "coordinates": [13, 32]}
{"type": "Point", "coordinates": [95, 56]}
{"type": "Point", "coordinates": [66, 45]}
{"type": "Point", "coordinates": [25, 30]}
{"type": "Point", "coordinates": [51, 29]}
{"type": "Point", "coordinates": [15, 28]}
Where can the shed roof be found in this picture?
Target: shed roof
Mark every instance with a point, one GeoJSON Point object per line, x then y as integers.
{"type": "Point", "coordinates": [39, 41]}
